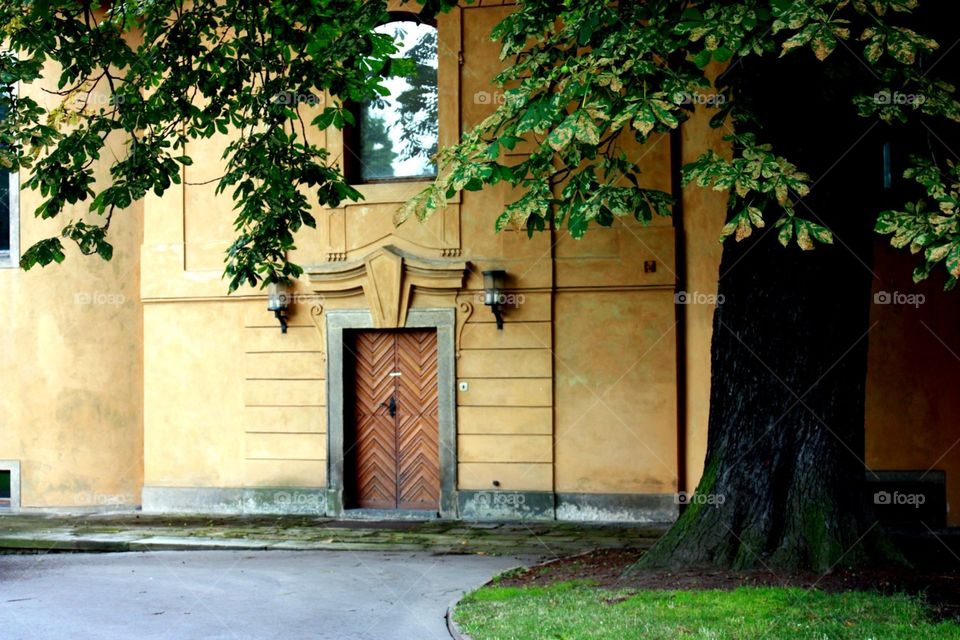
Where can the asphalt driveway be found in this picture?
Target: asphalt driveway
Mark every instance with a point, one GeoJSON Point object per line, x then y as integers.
{"type": "Point", "coordinates": [236, 594]}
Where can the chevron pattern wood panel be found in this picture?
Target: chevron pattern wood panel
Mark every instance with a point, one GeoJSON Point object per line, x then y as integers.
{"type": "Point", "coordinates": [396, 460]}
{"type": "Point", "coordinates": [375, 448]}
{"type": "Point", "coordinates": [418, 421]}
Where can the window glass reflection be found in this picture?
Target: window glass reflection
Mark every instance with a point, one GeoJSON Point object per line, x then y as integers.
{"type": "Point", "coordinates": [399, 132]}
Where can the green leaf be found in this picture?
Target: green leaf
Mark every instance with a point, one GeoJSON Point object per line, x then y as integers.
{"type": "Point", "coordinates": [722, 54]}
{"type": "Point", "coordinates": [105, 250]}
{"type": "Point", "coordinates": [785, 235]}
{"type": "Point", "coordinates": [703, 58]}
{"type": "Point", "coordinates": [953, 261]}
{"type": "Point", "coordinates": [645, 121]}
{"type": "Point", "coordinates": [820, 233]}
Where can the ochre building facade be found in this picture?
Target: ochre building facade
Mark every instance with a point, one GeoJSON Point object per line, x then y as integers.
{"type": "Point", "coordinates": [140, 382]}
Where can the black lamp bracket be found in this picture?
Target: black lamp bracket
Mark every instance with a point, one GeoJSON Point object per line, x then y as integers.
{"type": "Point", "coordinates": [282, 318]}
{"type": "Point", "coordinates": [498, 314]}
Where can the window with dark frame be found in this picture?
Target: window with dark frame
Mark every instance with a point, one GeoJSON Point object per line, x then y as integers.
{"type": "Point", "coordinates": [4, 210]}
{"type": "Point", "coordinates": [396, 136]}
{"type": "Point", "coordinates": [6, 497]}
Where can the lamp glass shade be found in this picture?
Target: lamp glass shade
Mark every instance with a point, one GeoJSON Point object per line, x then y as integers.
{"type": "Point", "coordinates": [278, 296]}
{"type": "Point", "coordinates": [493, 286]}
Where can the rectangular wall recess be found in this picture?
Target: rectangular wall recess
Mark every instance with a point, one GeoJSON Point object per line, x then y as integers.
{"type": "Point", "coordinates": [9, 486]}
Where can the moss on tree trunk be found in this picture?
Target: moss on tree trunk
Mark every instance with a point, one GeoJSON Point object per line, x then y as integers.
{"type": "Point", "coordinates": [784, 479]}
{"type": "Point", "coordinates": [785, 471]}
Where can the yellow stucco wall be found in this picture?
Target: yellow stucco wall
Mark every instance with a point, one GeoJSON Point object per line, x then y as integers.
{"type": "Point", "coordinates": [162, 379]}
{"type": "Point", "coordinates": [231, 402]}
{"type": "Point", "coordinates": [704, 214]}
{"type": "Point", "coordinates": [912, 413]}
{"type": "Point", "coordinates": [70, 364]}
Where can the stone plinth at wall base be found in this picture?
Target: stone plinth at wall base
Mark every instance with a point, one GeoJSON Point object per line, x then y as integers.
{"type": "Point", "coordinates": [506, 505]}
{"type": "Point", "coordinates": [471, 505]}
{"type": "Point", "coordinates": [111, 509]}
{"type": "Point", "coordinates": [574, 507]}
{"type": "Point", "coordinates": [241, 500]}
{"type": "Point", "coordinates": [617, 507]}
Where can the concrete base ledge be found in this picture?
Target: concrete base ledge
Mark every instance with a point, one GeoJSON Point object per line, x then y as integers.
{"type": "Point", "coordinates": [617, 507]}
{"type": "Point", "coordinates": [240, 500]}
{"type": "Point", "coordinates": [126, 509]}
{"type": "Point", "coordinates": [471, 505]}
{"type": "Point", "coordinates": [67, 543]}
{"type": "Point", "coordinates": [505, 505]}
{"type": "Point", "coordinates": [574, 507]}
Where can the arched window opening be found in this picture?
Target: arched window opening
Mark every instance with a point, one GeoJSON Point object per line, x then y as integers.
{"type": "Point", "coordinates": [396, 136]}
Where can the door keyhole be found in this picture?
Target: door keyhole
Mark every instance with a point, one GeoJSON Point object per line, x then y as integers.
{"type": "Point", "coordinates": [391, 407]}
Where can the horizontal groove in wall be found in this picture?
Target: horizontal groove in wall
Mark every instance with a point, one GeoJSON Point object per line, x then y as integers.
{"type": "Point", "coordinates": [286, 379]}
{"type": "Point", "coordinates": [276, 325]}
{"type": "Point", "coordinates": [274, 351]}
{"type": "Point", "coordinates": [509, 435]}
{"type": "Point", "coordinates": [286, 406]}
{"type": "Point", "coordinates": [237, 298]}
{"type": "Point", "coordinates": [515, 362]}
{"type": "Point", "coordinates": [504, 420]}
{"type": "Point", "coordinates": [506, 320]}
{"type": "Point", "coordinates": [543, 461]}
{"type": "Point", "coordinates": [637, 287]}
{"type": "Point", "coordinates": [284, 392]}
{"type": "Point", "coordinates": [507, 392]}
{"type": "Point", "coordinates": [649, 287]}
{"type": "Point", "coordinates": [289, 459]}
{"type": "Point", "coordinates": [506, 349]}
{"type": "Point", "coordinates": [522, 448]}
{"type": "Point", "coordinates": [579, 287]}
{"type": "Point", "coordinates": [513, 476]}
{"type": "Point", "coordinates": [546, 461]}
{"type": "Point", "coordinates": [500, 406]}
{"type": "Point", "coordinates": [287, 433]}
{"type": "Point", "coordinates": [506, 377]}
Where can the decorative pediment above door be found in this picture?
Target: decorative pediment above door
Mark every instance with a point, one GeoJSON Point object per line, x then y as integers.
{"type": "Point", "coordinates": [360, 228]}
{"type": "Point", "coordinates": [386, 277]}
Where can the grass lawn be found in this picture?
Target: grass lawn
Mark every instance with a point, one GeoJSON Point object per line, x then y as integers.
{"type": "Point", "coordinates": [573, 610]}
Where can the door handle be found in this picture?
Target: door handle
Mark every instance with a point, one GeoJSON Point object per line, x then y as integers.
{"type": "Point", "coordinates": [391, 407]}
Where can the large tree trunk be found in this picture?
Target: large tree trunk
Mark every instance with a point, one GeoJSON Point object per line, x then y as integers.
{"type": "Point", "coordinates": [784, 479]}
{"type": "Point", "coordinates": [783, 484]}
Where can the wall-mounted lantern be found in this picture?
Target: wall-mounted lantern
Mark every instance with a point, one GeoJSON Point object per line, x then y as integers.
{"type": "Point", "coordinates": [493, 293]}
{"type": "Point", "coordinates": [278, 301]}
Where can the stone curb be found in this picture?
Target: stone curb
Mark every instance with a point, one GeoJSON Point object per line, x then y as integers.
{"type": "Point", "coordinates": [40, 544]}
{"type": "Point", "coordinates": [84, 545]}
{"type": "Point", "coordinates": [454, 629]}
{"type": "Point", "coordinates": [66, 544]}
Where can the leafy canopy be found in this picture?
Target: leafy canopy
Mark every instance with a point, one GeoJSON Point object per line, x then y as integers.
{"type": "Point", "coordinates": [166, 72]}
{"type": "Point", "coordinates": [585, 80]}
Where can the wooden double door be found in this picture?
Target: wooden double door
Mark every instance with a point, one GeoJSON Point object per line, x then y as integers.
{"type": "Point", "coordinates": [392, 458]}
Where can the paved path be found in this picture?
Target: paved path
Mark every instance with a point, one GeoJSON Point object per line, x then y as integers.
{"type": "Point", "coordinates": [236, 594]}
{"type": "Point", "coordinates": [140, 532]}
